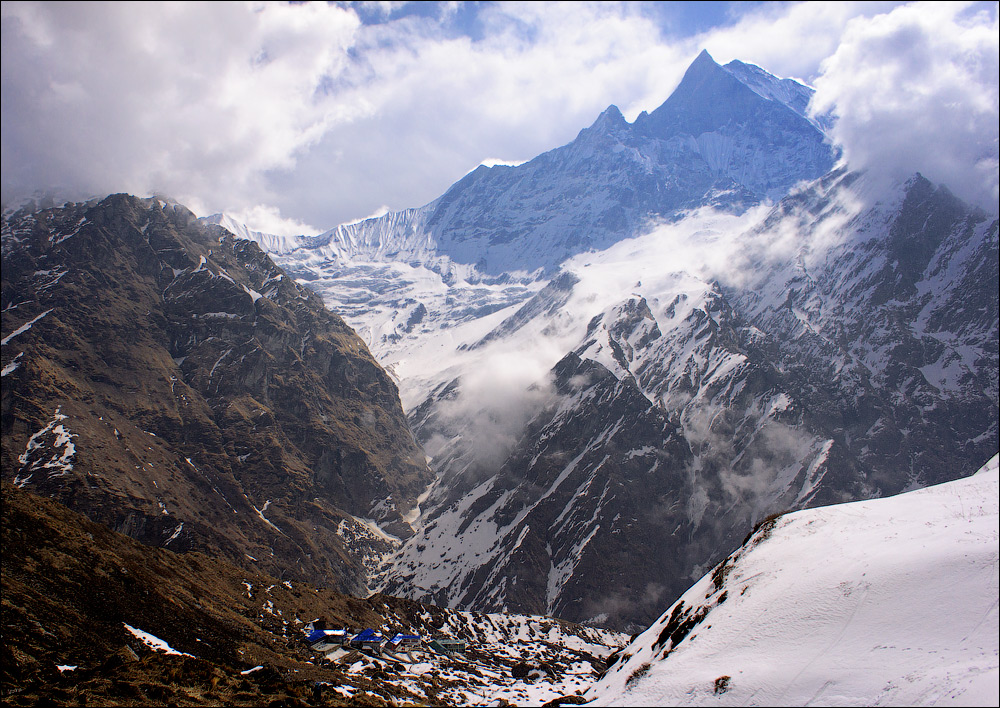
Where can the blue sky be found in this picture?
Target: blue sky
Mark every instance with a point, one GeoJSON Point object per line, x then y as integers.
{"type": "Point", "coordinates": [675, 19]}
{"type": "Point", "coordinates": [297, 117]}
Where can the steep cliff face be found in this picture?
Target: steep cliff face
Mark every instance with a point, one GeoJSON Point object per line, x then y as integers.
{"type": "Point", "coordinates": [168, 380]}
{"type": "Point", "coordinates": [846, 351]}
{"type": "Point", "coordinates": [888, 325]}
{"type": "Point", "coordinates": [576, 518]}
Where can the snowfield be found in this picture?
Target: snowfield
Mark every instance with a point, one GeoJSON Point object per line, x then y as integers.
{"type": "Point", "coordinates": [883, 602]}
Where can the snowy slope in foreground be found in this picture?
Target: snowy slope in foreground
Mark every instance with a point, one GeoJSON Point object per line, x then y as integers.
{"type": "Point", "coordinates": [884, 602]}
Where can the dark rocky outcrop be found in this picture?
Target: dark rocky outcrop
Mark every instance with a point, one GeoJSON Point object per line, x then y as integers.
{"type": "Point", "coordinates": [168, 380]}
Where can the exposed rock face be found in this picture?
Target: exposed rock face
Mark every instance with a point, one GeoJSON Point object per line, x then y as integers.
{"type": "Point", "coordinates": [888, 338]}
{"type": "Point", "coordinates": [555, 531]}
{"type": "Point", "coordinates": [859, 362]}
{"type": "Point", "coordinates": [168, 380]}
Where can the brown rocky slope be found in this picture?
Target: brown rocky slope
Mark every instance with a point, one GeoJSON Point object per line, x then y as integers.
{"type": "Point", "coordinates": [71, 585]}
{"type": "Point", "coordinates": [72, 588]}
{"type": "Point", "coordinates": [169, 381]}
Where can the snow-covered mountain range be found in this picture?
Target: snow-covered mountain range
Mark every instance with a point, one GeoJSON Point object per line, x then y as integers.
{"type": "Point", "coordinates": [679, 415]}
{"type": "Point", "coordinates": [637, 345]}
{"type": "Point", "coordinates": [728, 136]}
{"type": "Point", "coordinates": [616, 360]}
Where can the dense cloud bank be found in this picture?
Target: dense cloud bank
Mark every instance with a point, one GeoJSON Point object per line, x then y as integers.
{"type": "Point", "coordinates": [917, 90]}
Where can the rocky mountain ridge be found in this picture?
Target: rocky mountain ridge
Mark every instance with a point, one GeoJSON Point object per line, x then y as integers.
{"type": "Point", "coordinates": [781, 387]}
{"type": "Point", "coordinates": [168, 380]}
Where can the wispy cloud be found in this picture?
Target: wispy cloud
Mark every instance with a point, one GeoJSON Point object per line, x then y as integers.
{"type": "Point", "coordinates": [788, 39]}
{"type": "Point", "coordinates": [194, 100]}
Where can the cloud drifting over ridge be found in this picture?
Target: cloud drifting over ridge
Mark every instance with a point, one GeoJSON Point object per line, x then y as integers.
{"type": "Point", "coordinates": [191, 100]}
{"type": "Point", "coordinates": [316, 114]}
{"type": "Point", "coordinates": [918, 89]}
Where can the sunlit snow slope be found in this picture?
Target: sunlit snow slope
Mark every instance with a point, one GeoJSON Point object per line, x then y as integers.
{"type": "Point", "coordinates": [884, 602]}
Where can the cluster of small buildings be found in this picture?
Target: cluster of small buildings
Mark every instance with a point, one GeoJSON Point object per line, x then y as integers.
{"type": "Point", "coordinates": [332, 642]}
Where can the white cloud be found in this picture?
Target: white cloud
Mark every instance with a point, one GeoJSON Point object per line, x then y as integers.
{"type": "Point", "coordinates": [304, 109]}
{"type": "Point", "coordinates": [789, 40]}
{"type": "Point", "coordinates": [268, 220]}
{"type": "Point", "coordinates": [381, 211]}
{"type": "Point", "coordinates": [495, 401]}
{"type": "Point", "coordinates": [185, 99]}
{"type": "Point", "coordinates": [916, 89]}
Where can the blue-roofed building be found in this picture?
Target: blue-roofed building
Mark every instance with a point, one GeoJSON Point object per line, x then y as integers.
{"type": "Point", "coordinates": [326, 639]}
{"type": "Point", "coordinates": [368, 639]}
{"type": "Point", "coordinates": [405, 641]}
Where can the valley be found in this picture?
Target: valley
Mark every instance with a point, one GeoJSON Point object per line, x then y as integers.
{"type": "Point", "coordinates": [537, 415]}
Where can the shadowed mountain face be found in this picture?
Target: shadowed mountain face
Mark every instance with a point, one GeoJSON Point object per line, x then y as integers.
{"type": "Point", "coordinates": [169, 381]}
{"type": "Point", "coordinates": [859, 362]}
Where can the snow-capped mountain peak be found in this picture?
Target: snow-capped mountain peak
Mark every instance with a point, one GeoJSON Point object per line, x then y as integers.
{"type": "Point", "coordinates": [790, 92]}
{"type": "Point", "coordinates": [714, 141]}
{"type": "Point", "coordinates": [272, 243]}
